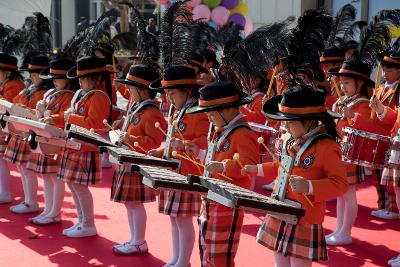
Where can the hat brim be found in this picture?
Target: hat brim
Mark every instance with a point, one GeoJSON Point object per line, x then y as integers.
{"type": "Point", "coordinates": [335, 71]}
{"type": "Point", "coordinates": [123, 80]}
{"type": "Point", "coordinates": [389, 62]}
{"type": "Point", "coordinates": [45, 75]}
{"type": "Point", "coordinates": [71, 74]}
{"type": "Point", "coordinates": [156, 85]}
{"type": "Point", "coordinates": [198, 109]}
{"type": "Point", "coordinates": [271, 110]}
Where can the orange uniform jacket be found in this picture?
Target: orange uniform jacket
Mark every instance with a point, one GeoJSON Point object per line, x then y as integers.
{"type": "Point", "coordinates": [195, 130]}
{"type": "Point", "coordinates": [253, 111]}
{"type": "Point", "coordinates": [322, 165]}
{"type": "Point", "coordinates": [10, 88]}
{"type": "Point", "coordinates": [31, 102]}
{"type": "Point", "coordinates": [244, 142]}
{"type": "Point", "coordinates": [142, 129]}
{"type": "Point", "coordinates": [58, 106]}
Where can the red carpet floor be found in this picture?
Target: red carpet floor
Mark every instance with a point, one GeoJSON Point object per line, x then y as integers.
{"type": "Point", "coordinates": [375, 241]}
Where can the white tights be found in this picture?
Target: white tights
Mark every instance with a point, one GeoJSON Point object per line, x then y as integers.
{"type": "Point", "coordinates": [54, 190]}
{"type": "Point", "coordinates": [4, 177]}
{"type": "Point", "coordinates": [83, 202]}
{"type": "Point", "coordinates": [288, 261]}
{"type": "Point", "coordinates": [29, 185]}
{"type": "Point", "coordinates": [137, 219]}
{"type": "Point", "coordinates": [346, 210]}
{"type": "Point", "coordinates": [183, 238]}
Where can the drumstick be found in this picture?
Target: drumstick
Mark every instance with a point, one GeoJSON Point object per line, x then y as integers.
{"type": "Point", "coordinates": [136, 144]}
{"type": "Point", "coordinates": [158, 126]}
{"type": "Point", "coordinates": [109, 126]}
{"type": "Point", "coordinates": [236, 157]}
{"type": "Point", "coordinates": [378, 71]}
{"type": "Point", "coordinates": [271, 82]}
{"type": "Point", "coordinates": [176, 154]}
{"type": "Point", "coordinates": [260, 140]}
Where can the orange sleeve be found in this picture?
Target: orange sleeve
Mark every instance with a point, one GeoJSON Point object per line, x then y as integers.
{"type": "Point", "coordinates": [335, 183]}
{"type": "Point", "coordinates": [202, 126]}
{"type": "Point", "coordinates": [98, 109]}
{"type": "Point", "coordinates": [12, 89]}
{"type": "Point", "coordinates": [58, 118]}
{"type": "Point", "coordinates": [255, 113]}
{"type": "Point", "coordinates": [36, 97]}
{"type": "Point", "coordinates": [152, 137]}
{"type": "Point", "coordinates": [270, 170]}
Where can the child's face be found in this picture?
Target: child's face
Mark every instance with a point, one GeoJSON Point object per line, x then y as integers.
{"type": "Point", "coordinates": [215, 118]}
{"type": "Point", "coordinates": [3, 75]}
{"type": "Point", "coordinates": [134, 93]}
{"type": "Point", "coordinates": [296, 128]}
{"type": "Point", "coordinates": [60, 84]}
{"type": "Point", "coordinates": [348, 86]}
{"type": "Point", "coordinates": [87, 83]}
{"type": "Point", "coordinates": [36, 80]}
{"type": "Point", "coordinates": [390, 74]}
{"type": "Point", "coordinates": [177, 97]}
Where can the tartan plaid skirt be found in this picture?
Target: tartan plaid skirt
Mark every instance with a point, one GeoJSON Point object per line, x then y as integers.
{"type": "Point", "coordinates": [179, 203]}
{"type": "Point", "coordinates": [43, 164]}
{"type": "Point", "coordinates": [80, 167]}
{"type": "Point", "coordinates": [219, 234]}
{"type": "Point", "coordinates": [127, 186]}
{"type": "Point", "coordinates": [300, 241]}
{"type": "Point", "coordinates": [355, 174]}
{"type": "Point", "coordinates": [391, 177]}
{"type": "Point", "coordinates": [3, 144]}
{"type": "Point", "coordinates": [18, 150]}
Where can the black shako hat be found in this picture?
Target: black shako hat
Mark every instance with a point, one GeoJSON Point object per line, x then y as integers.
{"type": "Point", "coordinates": [299, 102]}
{"type": "Point", "coordinates": [391, 60]}
{"type": "Point", "coordinates": [58, 69]}
{"type": "Point", "coordinates": [8, 62]}
{"type": "Point", "coordinates": [36, 64]}
{"type": "Point", "coordinates": [140, 75]}
{"type": "Point", "coordinates": [177, 77]}
{"type": "Point", "coordinates": [87, 66]}
{"type": "Point", "coordinates": [219, 95]}
{"type": "Point", "coordinates": [354, 69]}
{"type": "Point", "coordinates": [332, 54]}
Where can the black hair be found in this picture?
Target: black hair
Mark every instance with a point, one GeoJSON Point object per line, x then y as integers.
{"type": "Point", "coordinates": [195, 91]}
{"type": "Point", "coordinates": [330, 126]}
{"type": "Point", "coordinates": [390, 65]}
{"type": "Point", "coordinates": [15, 75]}
{"type": "Point", "coordinates": [73, 84]}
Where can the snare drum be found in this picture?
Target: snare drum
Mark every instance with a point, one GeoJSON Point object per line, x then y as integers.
{"type": "Point", "coordinates": [365, 149]}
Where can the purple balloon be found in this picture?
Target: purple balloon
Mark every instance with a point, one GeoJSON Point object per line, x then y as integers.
{"type": "Point", "coordinates": [238, 19]}
{"type": "Point", "coordinates": [230, 4]}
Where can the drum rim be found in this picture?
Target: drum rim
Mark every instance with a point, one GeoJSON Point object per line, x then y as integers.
{"type": "Point", "coordinates": [264, 127]}
{"type": "Point", "coordinates": [374, 136]}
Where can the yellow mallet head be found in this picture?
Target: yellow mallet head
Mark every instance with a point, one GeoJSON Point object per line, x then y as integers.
{"type": "Point", "coordinates": [157, 124]}
{"type": "Point", "coordinates": [92, 130]}
{"type": "Point", "coordinates": [236, 156]}
{"type": "Point", "coordinates": [174, 153]}
{"type": "Point", "coordinates": [136, 144]}
{"type": "Point", "coordinates": [175, 122]}
{"type": "Point", "coordinates": [104, 121]}
{"type": "Point", "coordinates": [260, 140]}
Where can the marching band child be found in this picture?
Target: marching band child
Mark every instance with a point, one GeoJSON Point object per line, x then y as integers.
{"type": "Point", "coordinates": [187, 134]}
{"type": "Point", "coordinates": [53, 104]}
{"type": "Point", "coordinates": [79, 169]}
{"type": "Point", "coordinates": [139, 127]}
{"type": "Point", "coordinates": [11, 84]}
{"type": "Point", "coordinates": [18, 151]}
{"type": "Point", "coordinates": [318, 175]}
{"type": "Point", "coordinates": [220, 226]}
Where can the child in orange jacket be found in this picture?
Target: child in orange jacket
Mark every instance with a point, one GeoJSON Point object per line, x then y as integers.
{"type": "Point", "coordinates": [55, 101]}
{"type": "Point", "coordinates": [11, 84]}
{"type": "Point", "coordinates": [18, 150]}
{"type": "Point", "coordinates": [319, 174]}
{"type": "Point", "coordinates": [79, 169]}
{"type": "Point", "coordinates": [187, 134]}
{"type": "Point", "coordinates": [220, 226]}
{"type": "Point", "coordinates": [139, 126]}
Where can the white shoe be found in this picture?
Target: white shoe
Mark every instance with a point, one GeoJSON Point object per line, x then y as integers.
{"type": "Point", "coordinates": [24, 208]}
{"type": "Point", "coordinates": [129, 248]}
{"type": "Point", "coordinates": [65, 231]}
{"type": "Point", "coordinates": [5, 198]}
{"type": "Point", "coordinates": [338, 240]}
{"type": "Point", "coordinates": [385, 214]}
{"type": "Point", "coordinates": [394, 260]}
{"type": "Point", "coordinates": [82, 231]}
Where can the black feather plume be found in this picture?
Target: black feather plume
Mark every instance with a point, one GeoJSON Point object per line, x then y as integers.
{"type": "Point", "coordinates": [99, 32]}
{"type": "Point", "coordinates": [37, 34]}
{"type": "Point", "coordinates": [175, 37]}
{"type": "Point", "coordinates": [389, 16]}
{"type": "Point", "coordinates": [354, 31]}
{"type": "Point", "coordinates": [5, 31]}
{"type": "Point", "coordinates": [204, 36]}
{"type": "Point", "coordinates": [71, 47]}
{"type": "Point", "coordinates": [13, 43]}
{"type": "Point", "coordinates": [343, 20]}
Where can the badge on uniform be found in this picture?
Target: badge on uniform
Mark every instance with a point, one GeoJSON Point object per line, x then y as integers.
{"type": "Point", "coordinates": [181, 126]}
{"type": "Point", "coordinates": [56, 105]}
{"type": "Point", "coordinates": [308, 161]}
{"type": "Point", "coordinates": [226, 145]}
{"type": "Point", "coordinates": [81, 110]}
{"type": "Point", "coordinates": [136, 120]}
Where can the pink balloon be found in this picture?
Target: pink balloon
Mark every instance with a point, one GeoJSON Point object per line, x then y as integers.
{"type": "Point", "coordinates": [220, 15]}
{"type": "Point", "coordinates": [194, 3]}
{"type": "Point", "coordinates": [248, 27]}
{"type": "Point", "coordinates": [201, 12]}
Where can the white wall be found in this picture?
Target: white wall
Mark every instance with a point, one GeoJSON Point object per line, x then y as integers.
{"type": "Point", "coordinates": [67, 19]}
{"type": "Point", "coordinates": [13, 12]}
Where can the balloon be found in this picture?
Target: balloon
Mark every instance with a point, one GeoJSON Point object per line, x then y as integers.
{"type": "Point", "coordinates": [201, 12]}
{"type": "Point", "coordinates": [211, 3]}
{"type": "Point", "coordinates": [241, 8]}
{"type": "Point", "coordinates": [220, 15]}
{"type": "Point", "coordinates": [230, 4]}
{"type": "Point", "coordinates": [238, 19]}
{"type": "Point", "coordinates": [194, 3]}
{"type": "Point", "coordinates": [248, 27]}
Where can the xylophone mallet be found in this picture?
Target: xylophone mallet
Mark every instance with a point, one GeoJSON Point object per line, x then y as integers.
{"type": "Point", "coordinates": [136, 144]}
{"type": "Point", "coordinates": [109, 126]}
{"type": "Point", "coordinates": [260, 140]}
{"type": "Point", "coordinates": [236, 157]}
{"type": "Point", "coordinates": [158, 126]}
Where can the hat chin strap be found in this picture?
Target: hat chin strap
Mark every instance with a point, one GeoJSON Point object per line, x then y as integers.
{"type": "Point", "coordinates": [226, 123]}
